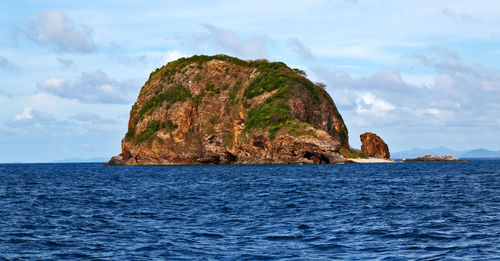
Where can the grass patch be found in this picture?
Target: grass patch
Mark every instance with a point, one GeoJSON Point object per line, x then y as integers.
{"type": "Point", "coordinates": [234, 93]}
{"type": "Point", "coordinates": [169, 125]}
{"type": "Point", "coordinates": [343, 136]}
{"type": "Point", "coordinates": [300, 128]}
{"type": "Point", "coordinates": [150, 130]}
{"type": "Point", "coordinates": [211, 88]}
{"type": "Point", "coordinates": [269, 115]}
{"type": "Point", "coordinates": [198, 98]}
{"type": "Point", "coordinates": [171, 95]}
{"type": "Point", "coordinates": [130, 133]}
{"type": "Point", "coordinates": [270, 78]}
{"type": "Point", "coordinates": [133, 111]}
{"type": "Point", "coordinates": [352, 153]}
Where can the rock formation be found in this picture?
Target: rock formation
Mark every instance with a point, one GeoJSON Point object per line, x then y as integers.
{"type": "Point", "coordinates": [434, 157]}
{"type": "Point", "coordinates": [222, 110]}
{"type": "Point", "coordinates": [374, 146]}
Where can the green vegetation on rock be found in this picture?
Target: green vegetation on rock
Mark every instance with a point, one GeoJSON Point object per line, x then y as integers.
{"type": "Point", "coordinates": [130, 133]}
{"type": "Point", "coordinates": [171, 95]}
{"type": "Point", "coordinates": [234, 93]}
{"type": "Point", "coordinates": [198, 98]}
{"type": "Point", "coordinates": [211, 88]}
{"type": "Point", "coordinates": [150, 130]}
{"type": "Point", "coordinates": [269, 115]}
{"type": "Point", "coordinates": [269, 79]}
{"type": "Point", "coordinates": [353, 153]}
{"type": "Point", "coordinates": [169, 125]}
{"type": "Point", "coordinates": [152, 127]}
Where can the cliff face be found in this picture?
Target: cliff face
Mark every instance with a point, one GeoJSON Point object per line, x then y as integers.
{"type": "Point", "coordinates": [222, 110]}
{"type": "Point", "coordinates": [374, 146]}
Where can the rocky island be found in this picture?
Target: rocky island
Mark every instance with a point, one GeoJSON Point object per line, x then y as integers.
{"type": "Point", "coordinates": [223, 110]}
{"type": "Point", "coordinates": [434, 157]}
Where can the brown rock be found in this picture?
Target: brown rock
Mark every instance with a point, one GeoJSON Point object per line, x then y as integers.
{"type": "Point", "coordinates": [374, 146]}
{"type": "Point", "coordinates": [222, 110]}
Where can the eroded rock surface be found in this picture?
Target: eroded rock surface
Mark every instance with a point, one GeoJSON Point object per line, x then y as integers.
{"type": "Point", "coordinates": [374, 146]}
{"type": "Point", "coordinates": [222, 110]}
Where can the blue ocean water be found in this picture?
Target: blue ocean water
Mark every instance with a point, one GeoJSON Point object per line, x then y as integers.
{"type": "Point", "coordinates": [424, 211]}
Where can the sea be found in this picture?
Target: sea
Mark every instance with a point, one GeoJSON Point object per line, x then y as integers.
{"type": "Point", "coordinates": [383, 211]}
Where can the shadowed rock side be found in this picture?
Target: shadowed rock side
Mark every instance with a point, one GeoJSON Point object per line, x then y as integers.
{"type": "Point", "coordinates": [222, 110]}
{"type": "Point", "coordinates": [374, 146]}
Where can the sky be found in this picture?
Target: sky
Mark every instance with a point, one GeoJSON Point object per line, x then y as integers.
{"type": "Point", "coordinates": [420, 74]}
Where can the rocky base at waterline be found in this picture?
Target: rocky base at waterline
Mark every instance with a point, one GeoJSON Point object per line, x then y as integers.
{"type": "Point", "coordinates": [223, 110]}
{"type": "Point", "coordinates": [434, 157]}
{"type": "Point", "coordinates": [371, 160]}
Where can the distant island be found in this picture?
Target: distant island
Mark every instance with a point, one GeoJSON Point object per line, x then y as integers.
{"type": "Point", "coordinates": [476, 153]}
{"type": "Point", "coordinates": [434, 157]}
{"type": "Point", "coordinates": [223, 110]}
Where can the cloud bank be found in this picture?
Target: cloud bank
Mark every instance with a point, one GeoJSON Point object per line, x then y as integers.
{"type": "Point", "coordinates": [54, 29]}
{"type": "Point", "coordinates": [461, 96]}
{"type": "Point", "coordinates": [91, 87]}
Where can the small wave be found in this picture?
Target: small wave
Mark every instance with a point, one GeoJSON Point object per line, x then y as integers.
{"type": "Point", "coordinates": [18, 240]}
{"type": "Point", "coordinates": [328, 246]}
{"type": "Point", "coordinates": [210, 235]}
{"type": "Point", "coordinates": [73, 255]}
{"type": "Point", "coordinates": [145, 248]}
{"type": "Point", "coordinates": [51, 243]}
{"type": "Point", "coordinates": [225, 209]}
{"type": "Point", "coordinates": [284, 237]}
{"type": "Point", "coordinates": [21, 234]}
{"type": "Point", "coordinates": [437, 236]}
{"type": "Point", "coordinates": [436, 248]}
{"type": "Point", "coordinates": [29, 226]}
{"type": "Point", "coordinates": [304, 226]}
{"type": "Point", "coordinates": [109, 203]}
{"type": "Point", "coordinates": [255, 257]}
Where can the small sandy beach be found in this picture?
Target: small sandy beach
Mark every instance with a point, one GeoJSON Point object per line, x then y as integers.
{"type": "Point", "coordinates": [372, 160]}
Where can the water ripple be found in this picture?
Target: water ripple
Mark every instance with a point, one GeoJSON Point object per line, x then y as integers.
{"type": "Point", "coordinates": [416, 211]}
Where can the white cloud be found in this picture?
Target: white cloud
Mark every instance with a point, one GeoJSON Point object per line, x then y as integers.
{"type": "Point", "coordinates": [299, 49]}
{"type": "Point", "coordinates": [171, 56]}
{"type": "Point", "coordinates": [362, 51]}
{"type": "Point", "coordinates": [421, 80]}
{"type": "Point", "coordinates": [91, 87]}
{"type": "Point", "coordinates": [53, 84]}
{"type": "Point", "coordinates": [54, 29]}
{"type": "Point", "coordinates": [66, 63]}
{"type": "Point", "coordinates": [48, 138]}
{"type": "Point", "coordinates": [370, 104]}
{"type": "Point", "coordinates": [228, 41]}
{"type": "Point", "coordinates": [25, 115]}
{"type": "Point", "coordinates": [435, 112]}
{"type": "Point", "coordinates": [447, 12]}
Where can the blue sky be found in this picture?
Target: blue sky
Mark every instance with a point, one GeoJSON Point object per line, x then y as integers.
{"type": "Point", "coordinates": [419, 74]}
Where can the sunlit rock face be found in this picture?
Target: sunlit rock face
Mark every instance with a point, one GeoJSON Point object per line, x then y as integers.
{"type": "Point", "coordinates": [374, 146]}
